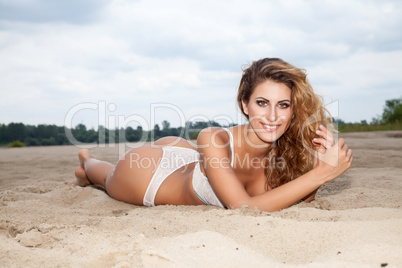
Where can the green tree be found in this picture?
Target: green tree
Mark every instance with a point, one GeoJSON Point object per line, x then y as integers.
{"type": "Point", "coordinates": [31, 142]}
{"type": "Point", "coordinates": [392, 111]}
{"type": "Point", "coordinates": [80, 132]}
{"type": "Point", "coordinates": [46, 131]}
{"type": "Point", "coordinates": [103, 135]}
{"type": "Point", "coordinates": [49, 141]}
{"type": "Point", "coordinates": [156, 132]}
{"type": "Point", "coordinates": [16, 131]}
{"type": "Point", "coordinates": [165, 125]}
{"type": "Point", "coordinates": [130, 134]}
{"type": "Point", "coordinates": [3, 134]}
{"type": "Point", "coordinates": [139, 132]}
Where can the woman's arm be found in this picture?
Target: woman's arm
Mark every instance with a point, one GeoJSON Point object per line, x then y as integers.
{"type": "Point", "coordinates": [310, 197]}
{"type": "Point", "coordinates": [331, 164]}
{"type": "Point", "coordinates": [321, 144]}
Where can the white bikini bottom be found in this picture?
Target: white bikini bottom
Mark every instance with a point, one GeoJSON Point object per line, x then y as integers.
{"type": "Point", "coordinates": [174, 158]}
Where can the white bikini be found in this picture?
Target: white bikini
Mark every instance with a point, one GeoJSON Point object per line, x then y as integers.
{"type": "Point", "coordinates": [174, 158]}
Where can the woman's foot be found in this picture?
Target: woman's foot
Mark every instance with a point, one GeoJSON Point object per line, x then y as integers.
{"type": "Point", "coordinates": [81, 177]}
{"type": "Point", "coordinates": [83, 156]}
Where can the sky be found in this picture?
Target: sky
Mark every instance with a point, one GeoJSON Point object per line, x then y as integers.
{"type": "Point", "coordinates": [128, 63]}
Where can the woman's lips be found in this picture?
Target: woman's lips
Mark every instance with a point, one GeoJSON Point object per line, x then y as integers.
{"type": "Point", "coordinates": [270, 128]}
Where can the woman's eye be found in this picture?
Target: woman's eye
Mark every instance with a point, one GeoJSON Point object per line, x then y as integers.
{"type": "Point", "coordinates": [283, 105]}
{"type": "Point", "coordinates": [262, 103]}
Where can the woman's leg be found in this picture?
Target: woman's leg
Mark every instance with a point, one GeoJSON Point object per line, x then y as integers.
{"type": "Point", "coordinates": [128, 180]}
{"type": "Point", "coordinates": [91, 170]}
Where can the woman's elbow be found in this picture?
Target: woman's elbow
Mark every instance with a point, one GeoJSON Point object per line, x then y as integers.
{"type": "Point", "coordinates": [243, 203]}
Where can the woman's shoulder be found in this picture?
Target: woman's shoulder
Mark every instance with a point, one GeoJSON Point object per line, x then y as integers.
{"type": "Point", "coordinates": [217, 135]}
{"type": "Point", "coordinates": [209, 134]}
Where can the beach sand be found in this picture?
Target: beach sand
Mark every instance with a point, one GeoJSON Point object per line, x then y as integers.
{"type": "Point", "coordinates": [355, 220]}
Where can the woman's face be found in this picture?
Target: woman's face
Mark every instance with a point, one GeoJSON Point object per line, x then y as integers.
{"type": "Point", "coordinates": [269, 110]}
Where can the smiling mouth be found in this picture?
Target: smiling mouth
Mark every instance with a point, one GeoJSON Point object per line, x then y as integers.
{"type": "Point", "coordinates": [270, 128]}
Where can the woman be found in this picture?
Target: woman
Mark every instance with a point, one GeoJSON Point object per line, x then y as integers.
{"type": "Point", "coordinates": [283, 155]}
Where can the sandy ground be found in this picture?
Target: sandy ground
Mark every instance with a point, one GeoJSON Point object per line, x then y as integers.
{"type": "Point", "coordinates": [355, 221]}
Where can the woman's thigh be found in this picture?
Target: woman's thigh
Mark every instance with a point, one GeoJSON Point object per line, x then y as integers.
{"type": "Point", "coordinates": [130, 178]}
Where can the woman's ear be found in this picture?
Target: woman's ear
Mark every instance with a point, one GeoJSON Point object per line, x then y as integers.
{"type": "Point", "coordinates": [244, 105]}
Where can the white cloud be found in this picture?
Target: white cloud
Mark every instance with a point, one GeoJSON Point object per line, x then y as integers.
{"type": "Point", "coordinates": [361, 83]}
{"type": "Point", "coordinates": [190, 54]}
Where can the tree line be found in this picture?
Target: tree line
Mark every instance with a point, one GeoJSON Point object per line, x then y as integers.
{"type": "Point", "coordinates": [391, 119]}
{"type": "Point", "coordinates": [18, 134]}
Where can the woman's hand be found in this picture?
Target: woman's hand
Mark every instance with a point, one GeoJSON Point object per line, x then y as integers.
{"type": "Point", "coordinates": [331, 158]}
{"type": "Point", "coordinates": [321, 144]}
{"type": "Point", "coordinates": [326, 140]}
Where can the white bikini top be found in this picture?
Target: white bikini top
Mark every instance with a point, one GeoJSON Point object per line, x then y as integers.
{"type": "Point", "coordinates": [231, 144]}
{"type": "Point", "coordinates": [201, 185]}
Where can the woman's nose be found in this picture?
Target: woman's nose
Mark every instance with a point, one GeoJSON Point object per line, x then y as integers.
{"type": "Point", "coordinates": [272, 114]}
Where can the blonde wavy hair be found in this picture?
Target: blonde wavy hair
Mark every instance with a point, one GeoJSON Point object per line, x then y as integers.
{"type": "Point", "coordinates": [295, 146]}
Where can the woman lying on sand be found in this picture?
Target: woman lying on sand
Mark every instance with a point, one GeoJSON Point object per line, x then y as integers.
{"type": "Point", "coordinates": [283, 155]}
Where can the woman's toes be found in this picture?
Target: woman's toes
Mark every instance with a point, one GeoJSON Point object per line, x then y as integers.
{"type": "Point", "coordinates": [81, 178]}
{"type": "Point", "coordinates": [83, 155]}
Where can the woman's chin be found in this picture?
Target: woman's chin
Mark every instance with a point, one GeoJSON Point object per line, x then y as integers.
{"type": "Point", "coordinates": [270, 137]}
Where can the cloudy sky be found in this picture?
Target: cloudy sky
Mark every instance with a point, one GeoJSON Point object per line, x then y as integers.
{"type": "Point", "coordinates": [119, 63]}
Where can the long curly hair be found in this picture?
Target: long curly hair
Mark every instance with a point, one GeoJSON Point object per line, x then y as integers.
{"type": "Point", "coordinates": [295, 146]}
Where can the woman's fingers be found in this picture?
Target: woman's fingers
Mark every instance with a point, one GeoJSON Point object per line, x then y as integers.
{"type": "Point", "coordinates": [327, 135]}
{"type": "Point", "coordinates": [341, 142]}
{"type": "Point", "coordinates": [321, 141]}
{"type": "Point", "coordinates": [337, 159]}
{"type": "Point", "coordinates": [349, 155]}
{"type": "Point", "coordinates": [345, 148]}
{"type": "Point", "coordinates": [327, 144]}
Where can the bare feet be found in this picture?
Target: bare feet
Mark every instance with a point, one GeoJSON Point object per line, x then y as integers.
{"type": "Point", "coordinates": [83, 155]}
{"type": "Point", "coordinates": [81, 177]}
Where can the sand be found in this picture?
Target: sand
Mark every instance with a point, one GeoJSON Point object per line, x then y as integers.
{"type": "Point", "coordinates": [355, 221]}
